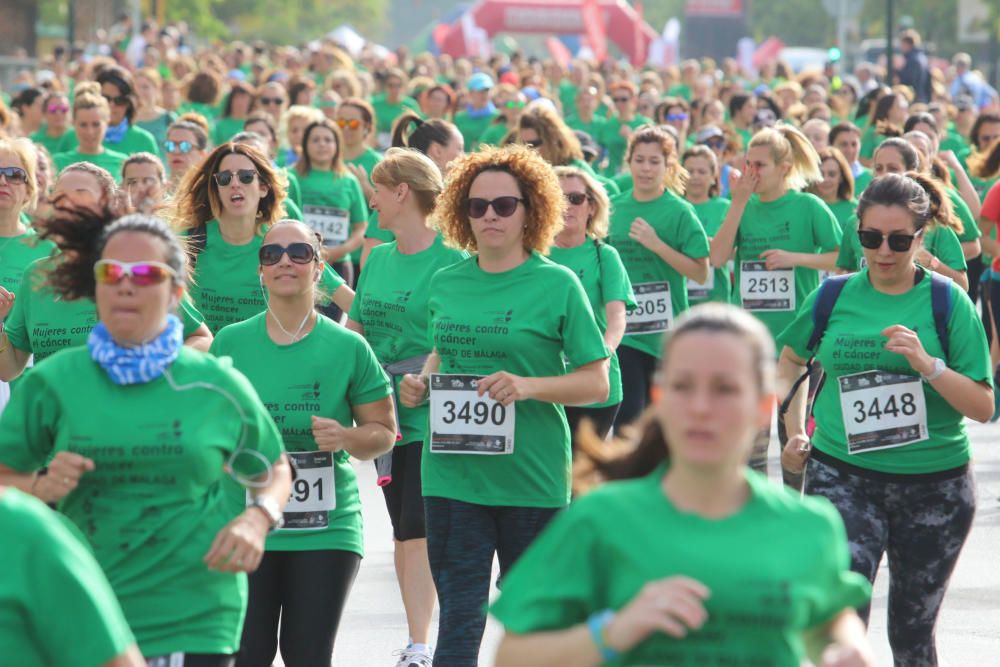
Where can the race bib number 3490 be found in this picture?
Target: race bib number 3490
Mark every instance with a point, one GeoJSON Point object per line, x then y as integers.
{"type": "Point", "coordinates": [882, 410]}
{"type": "Point", "coordinates": [763, 289]}
{"type": "Point", "coordinates": [463, 422]}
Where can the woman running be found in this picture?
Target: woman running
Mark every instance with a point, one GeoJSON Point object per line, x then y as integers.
{"type": "Point", "coordinates": [702, 192]}
{"type": "Point", "coordinates": [90, 124]}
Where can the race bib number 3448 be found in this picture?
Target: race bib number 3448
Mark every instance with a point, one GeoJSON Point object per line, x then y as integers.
{"type": "Point", "coordinates": [882, 410]}
{"type": "Point", "coordinates": [463, 422]}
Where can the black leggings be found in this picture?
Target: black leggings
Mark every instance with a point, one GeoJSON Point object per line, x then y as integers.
{"type": "Point", "coordinates": [974, 271]}
{"type": "Point", "coordinates": [638, 369]}
{"type": "Point", "coordinates": [308, 590]}
{"type": "Point", "coordinates": [192, 660]}
{"type": "Point", "coordinates": [601, 420]}
{"type": "Point", "coordinates": [403, 495]}
{"type": "Point", "coordinates": [922, 522]}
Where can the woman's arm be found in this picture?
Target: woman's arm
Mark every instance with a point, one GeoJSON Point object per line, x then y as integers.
{"type": "Point", "coordinates": [200, 339]}
{"type": "Point", "coordinates": [926, 259]}
{"type": "Point", "coordinates": [130, 658]}
{"type": "Point", "coordinates": [790, 369]}
{"type": "Point", "coordinates": [12, 360]}
{"type": "Point", "coordinates": [724, 242]}
{"type": "Point", "coordinates": [356, 327]}
{"type": "Point", "coordinates": [336, 254]}
{"type": "Point", "coordinates": [962, 183]}
{"type": "Point", "coordinates": [557, 648]}
{"type": "Point", "coordinates": [843, 642]}
{"type": "Point", "coordinates": [582, 386]}
{"type": "Point", "coordinates": [783, 259]}
{"type": "Point", "coordinates": [614, 311]}
{"type": "Point", "coordinates": [414, 389]}
{"type": "Point", "coordinates": [374, 434]}
{"type": "Point", "coordinates": [690, 267]}
{"type": "Point", "coordinates": [344, 298]}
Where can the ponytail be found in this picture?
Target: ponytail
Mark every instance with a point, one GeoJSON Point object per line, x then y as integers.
{"type": "Point", "coordinates": [77, 231]}
{"type": "Point", "coordinates": [986, 164]}
{"type": "Point", "coordinates": [788, 144]}
{"type": "Point", "coordinates": [425, 133]}
{"type": "Point", "coordinates": [940, 211]}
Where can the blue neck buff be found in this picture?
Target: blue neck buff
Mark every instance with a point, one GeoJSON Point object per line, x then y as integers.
{"type": "Point", "coordinates": [487, 110]}
{"type": "Point", "coordinates": [116, 133]}
{"type": "Point", "coordinates": [140, 364]}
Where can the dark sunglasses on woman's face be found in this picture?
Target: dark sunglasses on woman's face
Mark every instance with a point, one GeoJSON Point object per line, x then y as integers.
{"type": "Point", "coordinates": [268, 101]}
{"type": "Point", "coordinates": [120, 100]}
{"type": "Point", "coordinates": [299, 253]}
{"type": "Point", "coordinates": [502, 206]}
{"type": "Point", "coordinates": [177, 146]}
{"type": "Point", "coordinates": [621, 100]}
{"type": "Point", "coordinates": [576, 198]}
{"type": "Point", "coordinates": [872, 240]}
{"type": "Point", "coordinates": [14, 175]}
{"type": "Point", "coordinates": [246, 176]}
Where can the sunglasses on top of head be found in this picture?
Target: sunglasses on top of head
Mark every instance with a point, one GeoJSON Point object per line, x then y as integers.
{"type": "Point", "coordinates": [299, 253]}
{"type": "Point", "coordinates": [872, 240]}
{"type": "Point", "coordinates": [14, 175]}
{"type": "Point", "coordinates": [246, 176]}
{"type": "Point", "coordinates": [503, 206]}
{"type": "Point", "coordinates": [142, 274]}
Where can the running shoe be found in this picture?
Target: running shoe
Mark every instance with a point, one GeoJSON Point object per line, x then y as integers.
{"type": "Point", "coordinates": [410, 657]}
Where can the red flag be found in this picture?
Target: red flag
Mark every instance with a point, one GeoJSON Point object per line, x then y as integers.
{"type": "Point", "coordinates": [638, 50]}
{"type": "Point", "coordinates": [558, 51]}
{"type": "Point", "coordinates": [593, 27]}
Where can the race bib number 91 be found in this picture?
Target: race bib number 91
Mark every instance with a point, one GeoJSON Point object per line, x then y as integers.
{"type": "Point", "coordinates": [882, 410]}
{"type": "Point", "coordinates": [463, 422]}
{"type": "Point", "coordinates": [763, 289]}
{"type": "Point", "coordinates": [654, 311]}
{"type": "Point", "coordinates": [333, 224]}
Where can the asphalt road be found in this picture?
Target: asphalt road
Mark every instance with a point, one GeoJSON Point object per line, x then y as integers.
{"type": "Point", "coordinates": [968, 630]}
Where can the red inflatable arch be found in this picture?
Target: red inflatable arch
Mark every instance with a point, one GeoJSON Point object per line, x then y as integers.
{"type": "Point", "coordinates": [622, 24]}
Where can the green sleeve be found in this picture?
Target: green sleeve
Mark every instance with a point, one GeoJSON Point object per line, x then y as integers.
{"type": "Point", "coordinates": [622, 181]}
{"type": "Point", "coordinates": [968, 349]}
{"type": "Point", "coordinates": [582, 339]}
{"type": "Point", "coordinates": [798, 332]}
{"type": "Point", "coordinates": [359, 209]}
{"type": "Point", "coordinates": [292, 210]}
{"type": "Point", "coordinates": [836, 588]}
{"type": "Point", "coordinates": [848, 258]}
{"type": "Point", "coordinates": [610, 187]}
{"type": "Point", "coordinates": [827, 234]}
{"type": "Point", "coordinates": [72, 606]}
{"type": "Point", "coordinates": [943, 243]}
{"type": "Point", "coordinates": [369, 383]}
{"type": "Point", "coordinates": [330, 282]}
{"type": "Point", "coordinates": [693, 241]}
{"type": "Point", "coordinates": [615, 283]}
{"type": "Point", "coordinates": [190, 316]}
{"type": "Point", "coordinates": [970, 230]}
{"type": "Point", "coordinates": [294, 189]}
{"type": "Point", "coordinates": [16, 324]}
{"type": "Point", "coordinates": [359, 290]}
{"type": "Point", "coordinates": [533, 600]}
{"type": "Point", "coordinates": [28, 424]}
{"type": "Point", "coordinates": [261, 434]}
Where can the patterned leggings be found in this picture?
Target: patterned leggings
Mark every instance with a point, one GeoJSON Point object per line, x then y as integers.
{"type": "Point", "coordinates": [922, 523]}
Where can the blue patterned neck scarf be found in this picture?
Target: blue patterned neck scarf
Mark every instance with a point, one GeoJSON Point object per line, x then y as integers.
{"type": "Point", "coordinates": [116, 133]}
{"type": "Point", "coordinates": [136, 365]}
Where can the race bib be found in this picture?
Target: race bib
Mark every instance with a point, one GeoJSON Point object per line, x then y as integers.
{"type": "Point", "coordinates": [653, 312]}
{"type": "Point", "coordinates": [762, 289]}
{"type": "Point", "coordinates": [333, 224]}
{"type": "Point", "coordinates": [701, 290]}
{"type": "Point", "coordinates": [462, 422]}
{"type": "Point", "coordinates": [882, 410]}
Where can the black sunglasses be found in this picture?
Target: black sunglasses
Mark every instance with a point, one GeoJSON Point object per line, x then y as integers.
{"type": "Point", "coordinates": [621, 100]}
{"type": "Point", "coordinates": [503, 206]}
{"type": "Point", "coordinates": [576, 198]}
{"type": "Point", "coordinates": [14, 175]}
{"type": "Point", "coordinates": [872, 240]}
{"type": "Point", "coordinates": [271, 100]}
{"type": "Point", "coordinates": [246, 176]}
{"type": "Point", "coordinates": [119, 100]}
{"type": "Point", "coordinates": [299, 253]}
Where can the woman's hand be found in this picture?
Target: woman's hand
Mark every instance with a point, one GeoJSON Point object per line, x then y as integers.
{"type": "Point", "coordinates": [672, 606]}
{"type": "Point", "coordinates": [63, 475]}
{"type": "Point", "coordinates": [413, 390]}
{"type": "Point", "coordinates": [329, 435]}
{"type": "Point", "coordinates": [504, 387]}
{"type": "Point", "coordinates": [905, 342]}
{"type": "Point", "coordinates": [642, 232]}
{"type": "Point", "coordinates": [778, 259]}
{"type": "Point", "coordinates": [6, 303]}
{"type": "Point", "coordinates": [239, 546]}
{"type": "Point", "coordinates": [841, 655]}
{"type": "Point", "coordinates": [796, 453]}
{"type": "Point", "coordinates": [362, 176]}
{"type": "Point", "coordinates": [741, 186]}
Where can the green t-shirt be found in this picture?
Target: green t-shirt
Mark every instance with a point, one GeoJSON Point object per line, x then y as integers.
{"type": "Point", "coordinates": [56, 607]}
{"type": "Point", "coordinates": [567, 97]}
{"type": "Point", "coordinates": [942, 242]}
{"type": "Point", "coordinates": [325, 374]}
{"type": "Point", "coordinates": [391, 304]}
{"type": "Point", "coordinates": [136, 140]}
{"type": "Point", "coordinates": [53, 145]}
{"type": "Point", "coordinates": [42, 323]}
{"type": "Point", "coordinates": [614, 143]}
{"type": "Point", "coordinates": [327, 197]}
{"type": "Point", "coordinates": [472, 128]}
{"type": "Point", "coordinates": [386, 113]}
{"type": "Point", "coordinates": [711, 214]}
{"type": "Point", "coordinates": [870, 140]}
{"type": "Point", "coordinates": [157, 127]}
{"type": "Point", "coordinates": [226, 286]}
{"type": "Point", "coordinates": [853, 343]}
{"type": "Point", "coordinates": [494, 134]}
{"type": "Point", "coordinates": [368, 159]}
{"type": "Point", "coordinates": [970, 228]}
{"type": "Point", "coordinates": [677, 225]}
{"type": "Point", "coordinates": [226, 127]}
{"type": "Point", "coordinates": [623, 181]}
{"type": "Point", "coordinates": [603, 276]}
{"type": "Point", "coordinates": [16, 254]}
{"type": "Point", "coordinates": [776, 568]}
{"type": "Point", "coordinates": [610, 186]}
{"type": "Point", "coordinates": [680, 90]}
{"type": "Point", "coordinates": [374, 231]}
{"type": "Point", "coordinates": [294, 189]}
{"type": "Point", "coordinates": [861, 181]}
{"type": "Point", "coordinates": [843, 210]}
{"type": "Point", "coordinates": [593, 128]}
{"type": "Point", "coordinates": [207, 111]}
{"type": "Point", "coordinates": [154, 502]}
{"type": "Point", "coordinates": [106, 159]}
{"type": "Point", "coordinates": [521, 321]}
{"type": "Point", "coordinates": [745, 134]}
{"type": "Point", "coordinates": [796, 222]}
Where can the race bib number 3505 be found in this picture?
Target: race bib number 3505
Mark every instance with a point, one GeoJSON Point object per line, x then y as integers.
{"type": "Point", "coordinates": [653, 312]}
{"type": "Point", "coordinates": [882, 410]}
{"type": "Point", "coordinates": [463, 422]}
{"type": "Point", "coordinates": [763, 289]}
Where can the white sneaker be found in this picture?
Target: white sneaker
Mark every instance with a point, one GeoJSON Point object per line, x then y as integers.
{"type": "Point", "coordinates": [408, 657]}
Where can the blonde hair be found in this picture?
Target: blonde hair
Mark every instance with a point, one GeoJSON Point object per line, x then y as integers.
{"type": "Point", "coordinates": [299, 112]}
{"type": "Point", "coordinates": [597, 225]}
{"type": "Point", "coordinates": [410, 166]}
{"type": "Point", "coordinates": [88, 96]}
{"type": "Point", "coordinates": [788, 145]}
{"type": "Point", "coordinates": [26, 154]}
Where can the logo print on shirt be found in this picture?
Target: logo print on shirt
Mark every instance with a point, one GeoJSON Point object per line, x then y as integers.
{"type": "Point", "coordinates": [502, 317]}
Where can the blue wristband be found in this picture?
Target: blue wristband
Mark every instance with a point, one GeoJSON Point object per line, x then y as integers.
{"type": "Point", "coordinates": [596, 624]}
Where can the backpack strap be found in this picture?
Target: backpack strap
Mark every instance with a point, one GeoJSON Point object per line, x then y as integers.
{"type": "Point", "coordinates": [941, 305]}
{"type": "Point", "coordinates": [829, 292]}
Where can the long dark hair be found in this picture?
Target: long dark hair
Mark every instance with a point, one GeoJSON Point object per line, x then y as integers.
{"type": "Point", "coordinates": [425, 132]}
{"type": "Point", "coordinates": [648, 448]}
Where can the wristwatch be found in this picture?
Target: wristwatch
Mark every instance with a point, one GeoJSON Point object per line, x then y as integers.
{"type": "Point", "coordinates": [270, 508]}
{"type": "Point", "coordinates": [939, 368]}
